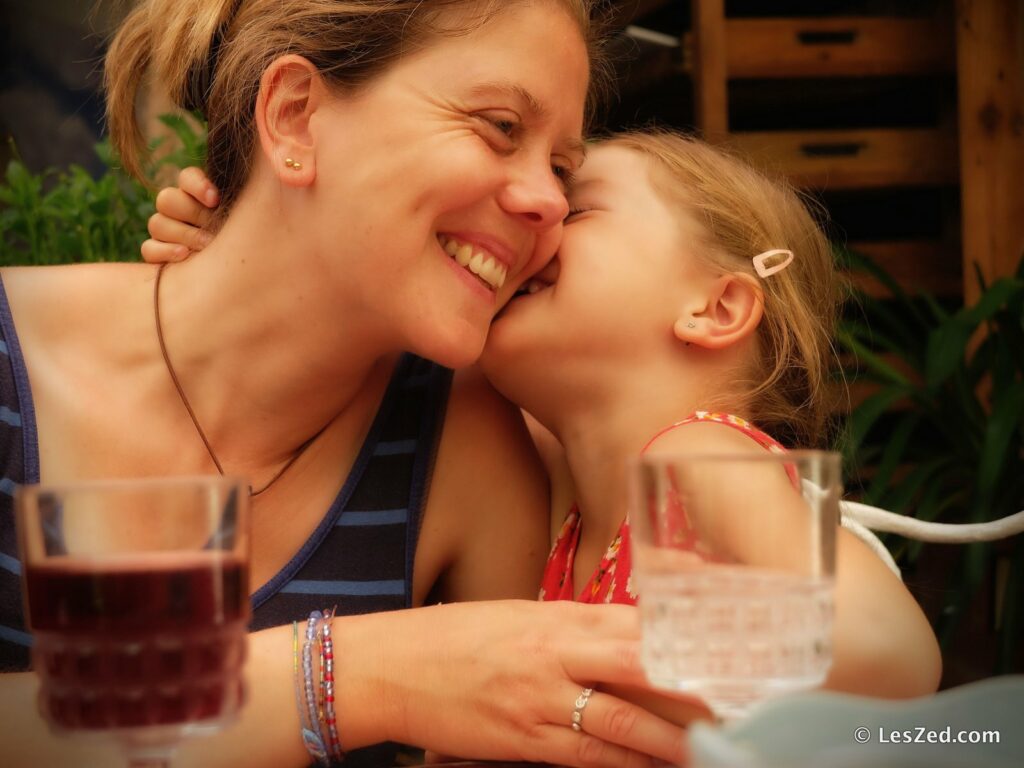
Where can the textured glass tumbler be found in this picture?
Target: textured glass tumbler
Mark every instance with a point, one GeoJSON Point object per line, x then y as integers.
{"type": "Point", "coordinates": [734, 560]}
{"type": "Point", "coordinates": [137, 595]}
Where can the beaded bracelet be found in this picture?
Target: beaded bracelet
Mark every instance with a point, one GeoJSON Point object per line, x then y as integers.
{"type": "Point", "coordinates": [327, 677]}
{"type": "Point", "coordinates": [311, 737]}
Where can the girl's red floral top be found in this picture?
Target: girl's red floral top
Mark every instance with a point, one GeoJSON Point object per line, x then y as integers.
{"type": "Point", "coordinates": [612, 581]}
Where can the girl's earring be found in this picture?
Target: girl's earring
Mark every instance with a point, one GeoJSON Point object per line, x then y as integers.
{"type": "Point", "coordinates": [691, 324]}
{"type": "Point", "coordinates": [295, 165]}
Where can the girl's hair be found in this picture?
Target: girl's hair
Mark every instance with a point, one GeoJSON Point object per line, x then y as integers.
{"type": "Point", "coordinates": [209, 55]}
{"type": "Point", "coordinates": [744, 213]}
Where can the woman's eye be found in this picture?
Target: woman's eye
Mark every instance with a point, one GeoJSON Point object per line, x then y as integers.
{"type": "Point", "coordinates": [502, 128]}
{"type": "Point", "coordinates": [575, 212]}
{"type": "Point", "coordinates": [508, 127]}
{"type": "Point", "coordinates": [564, 174]}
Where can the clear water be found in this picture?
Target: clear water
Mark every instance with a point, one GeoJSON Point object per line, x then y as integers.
{"type": "Point", "coordinates": [736, 635]}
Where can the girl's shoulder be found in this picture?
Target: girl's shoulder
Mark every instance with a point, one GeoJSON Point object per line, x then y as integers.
{"type": "Point", "coordinates": [709, 431]}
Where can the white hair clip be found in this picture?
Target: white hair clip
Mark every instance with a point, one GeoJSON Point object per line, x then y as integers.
{"type": "Point", "coordinates": [760, 262]}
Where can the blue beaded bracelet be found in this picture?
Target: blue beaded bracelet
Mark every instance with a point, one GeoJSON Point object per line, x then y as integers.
{"type": "Point", "coordinates": [310, 721]}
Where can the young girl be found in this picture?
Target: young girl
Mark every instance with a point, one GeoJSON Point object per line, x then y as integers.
{"type": "Point", "coordinates": [691, 299]}
{"type": "Point", "coordinates": [689, 309]}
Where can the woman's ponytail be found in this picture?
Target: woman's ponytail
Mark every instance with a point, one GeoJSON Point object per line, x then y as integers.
{"type": "Point", "coordinates": [178, 40]}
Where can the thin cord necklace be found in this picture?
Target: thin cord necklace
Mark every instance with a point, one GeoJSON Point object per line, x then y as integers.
{"type": "Point", "coordinates": [184, 400]}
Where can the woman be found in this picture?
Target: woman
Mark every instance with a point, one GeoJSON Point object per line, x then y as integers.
{"type": "Point", "coordinates": [279, 355]}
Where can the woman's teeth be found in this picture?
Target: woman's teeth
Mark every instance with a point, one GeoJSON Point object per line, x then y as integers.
{"type": "Point", "coordinates": [481, 264]}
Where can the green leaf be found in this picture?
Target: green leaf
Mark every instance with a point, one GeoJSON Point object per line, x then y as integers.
{"type": "Point", "coordinates": [1007, 413]}
{"type": "Point", "coordinates": [998, 295]}
{"type": "Point", "coordinates": [868, 413]}
{"type": "Point", "coordinates": [946, 350]}
{"type": "Point", "coordinates": [872, 362]}
{"type": "Point", "coordinates": [893, 455]}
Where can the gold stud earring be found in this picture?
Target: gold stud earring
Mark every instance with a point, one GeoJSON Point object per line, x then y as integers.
{"type": "Point", "coordinates": [289, 162]}
{"type": "Point", "coordinates": [296, 166]}
{"type": "Point", "coordinates": [691, 324]}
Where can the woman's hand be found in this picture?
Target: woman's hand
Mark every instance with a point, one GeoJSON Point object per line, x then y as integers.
{"type": "Point", "coordinates": [180, 225]}
{"type": "Point", "coordinates": [499, 681]}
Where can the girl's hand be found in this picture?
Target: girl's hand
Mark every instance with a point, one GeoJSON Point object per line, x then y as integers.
{"type": "Point", "coordinates": [180, 225]}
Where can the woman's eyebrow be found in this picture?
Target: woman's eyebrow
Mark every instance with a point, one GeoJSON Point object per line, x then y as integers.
{"type": "Point", "coordinates": [514, 90]}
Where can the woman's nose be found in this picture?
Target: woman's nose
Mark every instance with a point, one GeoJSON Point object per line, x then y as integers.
{"type": "Point", "coordinates": [535, 195]}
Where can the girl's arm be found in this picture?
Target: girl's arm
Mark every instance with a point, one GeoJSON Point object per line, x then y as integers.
{"type": "Point", "coordinates": [882, 643]}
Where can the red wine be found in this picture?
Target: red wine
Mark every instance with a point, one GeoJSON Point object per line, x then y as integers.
{"type": "Point", "coordinates": [155, 639]}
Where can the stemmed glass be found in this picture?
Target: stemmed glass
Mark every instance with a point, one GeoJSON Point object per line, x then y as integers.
{"type": "Point", "coordinates": [734, 559]}
{"type": "Point", "coordinates": [137, 595]}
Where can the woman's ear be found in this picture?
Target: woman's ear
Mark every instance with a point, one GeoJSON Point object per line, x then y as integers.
{"type": "Point", "coordinates": [290, 92]}
{"type": "Point", "coordinates": [730, 311]}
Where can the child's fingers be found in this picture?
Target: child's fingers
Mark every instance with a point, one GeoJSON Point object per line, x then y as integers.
{"type": "Point", "coordinates": [157, 252]}
{"type": "Point", "coordinates": [175, 203]}
{"type": "Point", "coordinates": [194, 182]}
{"type": "Point", "coordinates": [171, 230]}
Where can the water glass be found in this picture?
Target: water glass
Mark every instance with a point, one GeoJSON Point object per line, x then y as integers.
{"type": "Point", "coordinates": [137, 595]}
{"type": "Point", "coordinates": [734, 562]}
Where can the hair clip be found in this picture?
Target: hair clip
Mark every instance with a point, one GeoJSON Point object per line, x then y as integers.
{"type": "Point", "coordinates": [763, 270]}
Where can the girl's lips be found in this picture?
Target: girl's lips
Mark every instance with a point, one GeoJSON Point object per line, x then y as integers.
{"type": "Point", "coordinates": [543, 279]}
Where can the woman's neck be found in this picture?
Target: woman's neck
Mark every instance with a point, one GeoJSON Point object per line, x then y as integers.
{"type": "Point", "coordinates": [266, 355]}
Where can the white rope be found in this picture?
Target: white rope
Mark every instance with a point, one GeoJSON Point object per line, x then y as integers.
{"type": "Point", "coordinates": [873, 542]}
{"type": "Point", "coordinates": [943, 533]}
{"type": "Point", "coordinates": [863, 519]}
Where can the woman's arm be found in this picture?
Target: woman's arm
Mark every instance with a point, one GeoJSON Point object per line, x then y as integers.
{"type": "Point", "coordinates": [487, 680]}
{"type": "Point", "coordinates": [489, 499]}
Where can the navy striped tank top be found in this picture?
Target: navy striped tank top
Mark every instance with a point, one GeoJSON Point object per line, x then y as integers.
{"type": "Point", "coordinates": [360, 557]}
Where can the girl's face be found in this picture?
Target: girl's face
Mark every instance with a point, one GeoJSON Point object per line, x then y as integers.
{"type": "Point", "coordinates": [613, 292]}
{"type": "Point", "coordinates": [444, 179]}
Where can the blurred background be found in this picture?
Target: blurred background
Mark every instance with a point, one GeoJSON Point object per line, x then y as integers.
{"type": "Point", "coordinates": [904, 119]}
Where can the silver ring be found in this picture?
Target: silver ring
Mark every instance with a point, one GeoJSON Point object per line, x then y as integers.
{"type": "Point", "coordinates": [581, 704]}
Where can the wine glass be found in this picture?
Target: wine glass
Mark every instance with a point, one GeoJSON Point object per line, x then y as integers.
{"type": "Point", "coordinates": [734, 559]}
{"type": "Point", "coordinates": [137, 595]}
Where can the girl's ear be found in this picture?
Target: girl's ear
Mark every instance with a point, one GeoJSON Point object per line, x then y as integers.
{"type": "Point", "coordinates": [291, 90]}
{"type": "Point", "coordinates": [730, 311]}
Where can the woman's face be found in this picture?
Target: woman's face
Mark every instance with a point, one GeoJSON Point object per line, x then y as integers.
{"type": "Point", "coordinates": [443, 180]}
{"type": "Point", "coordinates": [611, 295]}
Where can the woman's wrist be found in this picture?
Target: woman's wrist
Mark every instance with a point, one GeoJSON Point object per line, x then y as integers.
{"type": "Point", "coordinates": [360, 705]}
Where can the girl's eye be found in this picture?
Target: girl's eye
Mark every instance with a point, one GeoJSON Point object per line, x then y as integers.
{"type": "Point", "coordinates": [575, 212]}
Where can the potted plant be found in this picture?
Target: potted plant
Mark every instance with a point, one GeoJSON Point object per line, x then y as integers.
{"type": "Point", "coordinates": [65, 216]}
{"type": "Point", "coordinates": [942, 435]}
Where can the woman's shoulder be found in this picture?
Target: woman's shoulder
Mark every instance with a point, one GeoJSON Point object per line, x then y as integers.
{"type": "Point", "coordinates": [51, 305]}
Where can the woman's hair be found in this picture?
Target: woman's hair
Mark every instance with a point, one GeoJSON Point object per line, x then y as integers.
{"type": "Point", "coordinates": [788, 391]}
{"type": "Point", "coordinates": [209, 55]}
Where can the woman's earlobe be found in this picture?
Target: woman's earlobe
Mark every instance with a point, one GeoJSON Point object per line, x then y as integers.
{"type": "Point", "coordinates": [288, 97]}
